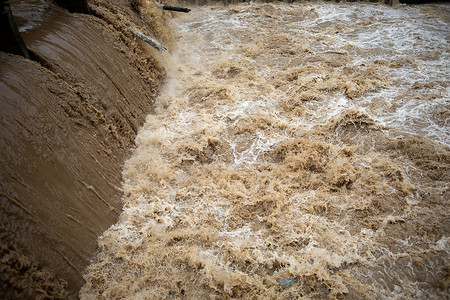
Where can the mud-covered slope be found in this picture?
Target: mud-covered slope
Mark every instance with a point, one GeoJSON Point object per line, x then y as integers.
{"type": "Point", "coordinates": [67, 124]}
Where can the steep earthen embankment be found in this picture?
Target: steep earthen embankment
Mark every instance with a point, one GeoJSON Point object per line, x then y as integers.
{"type": "Point", "coordinates": [68, 120]}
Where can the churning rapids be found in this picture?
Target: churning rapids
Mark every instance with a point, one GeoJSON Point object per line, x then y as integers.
{"type": "Point", "coordinates": [297, 150]}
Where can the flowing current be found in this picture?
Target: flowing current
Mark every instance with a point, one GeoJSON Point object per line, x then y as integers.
{"type": "Point", "coordinates": [297, 150]}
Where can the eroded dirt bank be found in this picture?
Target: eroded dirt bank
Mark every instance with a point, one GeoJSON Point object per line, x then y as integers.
{"type": "Point", "coordinates": [67, 124]}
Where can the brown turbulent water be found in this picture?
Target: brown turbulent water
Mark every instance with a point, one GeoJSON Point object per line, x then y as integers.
{"type": "Point", "coordinates": [297, 151]}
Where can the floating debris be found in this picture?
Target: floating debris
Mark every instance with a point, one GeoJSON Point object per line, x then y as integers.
{"type": "Point", "coordinates": [181, 9]}
{"type": "Point", "coordinates": [148, 40]}
{"type": "Point", "coordinates": [286, 282]}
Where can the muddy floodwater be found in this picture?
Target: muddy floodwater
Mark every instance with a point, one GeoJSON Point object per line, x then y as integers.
{"type": "Point", "coordinates": [297, 150]}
